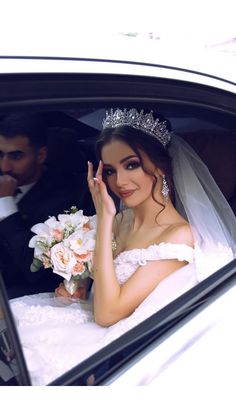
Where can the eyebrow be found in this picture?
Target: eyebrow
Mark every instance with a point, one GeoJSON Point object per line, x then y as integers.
{"type": "Point", "coordinates": [124, 159]}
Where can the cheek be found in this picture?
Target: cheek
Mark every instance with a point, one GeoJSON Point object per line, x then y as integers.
{"type": "Point", "coordinates": [22, 166]}
{"type": "Point", "coordinates": [110, 181]}
{"type": "Point", "coordinates": [25, 167]}
{"type": "Point", "coordinates": [146, 186]}
{"type": "Point", "coordinates": [18, 166]}
{"type": "Point", "coordinates": [145, 181]}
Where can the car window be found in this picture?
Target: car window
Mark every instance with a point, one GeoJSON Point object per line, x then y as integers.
{"type": "Point", "coordinates": [72, 133]}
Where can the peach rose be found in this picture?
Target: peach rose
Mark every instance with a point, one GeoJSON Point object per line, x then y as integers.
{"type": "Point", "coordinates": [63, 260]}
{"type": "Point", "coordinates": [57, 234]}
{"type": "Point", "coordinates": [78, 269]}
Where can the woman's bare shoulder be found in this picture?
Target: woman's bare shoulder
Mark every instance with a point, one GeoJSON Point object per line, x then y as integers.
{"type": "Point", "coordinates": [179, 233]}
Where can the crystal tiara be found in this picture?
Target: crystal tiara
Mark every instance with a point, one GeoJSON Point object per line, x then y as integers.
{"type": "Point", "coordinates": [138, 120]}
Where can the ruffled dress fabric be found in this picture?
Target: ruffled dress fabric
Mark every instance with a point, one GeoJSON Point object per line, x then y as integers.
{"type": "Point", "coordinates": [57, 334]}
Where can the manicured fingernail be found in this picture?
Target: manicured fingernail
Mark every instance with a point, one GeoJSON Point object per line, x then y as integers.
{"type": "Point", "coordinates": [96, 180]}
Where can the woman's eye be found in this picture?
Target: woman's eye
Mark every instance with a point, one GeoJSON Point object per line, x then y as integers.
{"type": "Point", "coordinates": [108, 172]}
{"type": "Point", "coordinates": [133, 165]}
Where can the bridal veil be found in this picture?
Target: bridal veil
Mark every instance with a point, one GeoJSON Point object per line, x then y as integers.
{"type": "Point", "coordinates": [200, 200]}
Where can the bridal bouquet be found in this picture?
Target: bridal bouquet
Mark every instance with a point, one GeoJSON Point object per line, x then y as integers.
{"type": "Point", "coordinates": [65, 244]}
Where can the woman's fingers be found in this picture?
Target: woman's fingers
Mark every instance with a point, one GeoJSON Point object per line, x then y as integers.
{"type": "Point", "coordinates": [61, 291]}
{"type": "Point", "coordinates": [90, 172]}
{"type": "Point", "coordinates": [93, 181]}
{"type": "Point", "coordinates": [81, 292]}
{"type": "Point", "coordinates": [101, 198]}
{"type": "Point", "coordinates": [99, 171]}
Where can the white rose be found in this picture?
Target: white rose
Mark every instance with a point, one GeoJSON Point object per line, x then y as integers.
{"type": "Point", "coordinates": [63, 260]}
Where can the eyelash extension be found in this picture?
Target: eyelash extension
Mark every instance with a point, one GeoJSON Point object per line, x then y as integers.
{"type": "Point", "coordinates": [135, 163]}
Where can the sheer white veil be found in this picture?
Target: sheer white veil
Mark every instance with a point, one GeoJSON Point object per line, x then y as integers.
{"type": "Point", "coordinates": [200, 201]}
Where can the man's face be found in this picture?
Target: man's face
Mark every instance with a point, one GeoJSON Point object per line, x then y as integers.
{"type": "Point", "coordinates": [20, 160]}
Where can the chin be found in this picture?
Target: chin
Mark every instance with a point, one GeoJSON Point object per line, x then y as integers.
{"type": "Point", "coordinates": [128, 203]}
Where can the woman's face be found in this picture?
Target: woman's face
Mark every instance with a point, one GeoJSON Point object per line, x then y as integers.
{"type": "Point", "coordinates": [125, 175]}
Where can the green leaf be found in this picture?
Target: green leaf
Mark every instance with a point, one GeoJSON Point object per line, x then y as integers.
{"type": "Point", "coordinates": [80, 277]}
{"type": "Point", "coordinates": [36, 265]}
{"type": "Point", "coordinates": [73, 210]}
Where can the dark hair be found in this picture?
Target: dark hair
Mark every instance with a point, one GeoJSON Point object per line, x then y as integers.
{"type": "Point", "coordinates": [139, 140]}
{"type": "Point", "coordinates": [29, 125]}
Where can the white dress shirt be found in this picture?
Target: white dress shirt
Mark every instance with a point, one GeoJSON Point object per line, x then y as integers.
{"type": "Point", "coordinates": [8, 204]}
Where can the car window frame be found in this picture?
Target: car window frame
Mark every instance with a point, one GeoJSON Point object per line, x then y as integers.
{"type": "Point", "coordinates": [49, 99]}
{"type": "Point", "coordinates": [23, 376]}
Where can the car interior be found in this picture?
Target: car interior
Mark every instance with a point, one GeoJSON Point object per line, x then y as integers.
{"type": "Point", "coordinates": [73, 132]}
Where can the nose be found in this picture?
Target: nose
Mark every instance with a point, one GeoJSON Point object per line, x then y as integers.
{"type": "Point", "coordinates": [121, 178]}
{"type": "Point", "coordinates": [5, 164]}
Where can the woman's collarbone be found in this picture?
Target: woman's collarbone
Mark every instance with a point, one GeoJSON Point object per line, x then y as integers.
{"type": "Point", "coordinates": [144, 239]}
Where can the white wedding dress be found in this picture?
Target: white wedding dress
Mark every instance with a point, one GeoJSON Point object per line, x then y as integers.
{"type": "Point", "coordinates": [57, 334]}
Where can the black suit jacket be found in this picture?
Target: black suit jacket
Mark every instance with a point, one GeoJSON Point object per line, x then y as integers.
{"type": "Point", "coordinates": [48, 197]}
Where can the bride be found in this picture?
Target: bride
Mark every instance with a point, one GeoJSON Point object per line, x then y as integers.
{"type": "Point", "coordinates": [168, 237]}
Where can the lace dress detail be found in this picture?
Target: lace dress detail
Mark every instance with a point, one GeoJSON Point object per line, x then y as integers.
{"type": "Point", "coordinates": [56, 336]}
{"type": "Point", "coordinates": [127, 262]}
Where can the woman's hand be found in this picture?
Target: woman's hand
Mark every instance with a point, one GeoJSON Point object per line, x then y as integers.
{"type": "Point", "coordinates": [103, 202]}
{"type": "Point", "coordinates": [81, 292]}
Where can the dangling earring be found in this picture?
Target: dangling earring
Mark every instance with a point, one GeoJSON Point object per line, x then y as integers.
{"type": "Point", "coordinates": [165, 188]}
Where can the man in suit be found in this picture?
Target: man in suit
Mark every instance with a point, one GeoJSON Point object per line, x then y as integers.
{"type": "Point", "coordinates": [29, 194]}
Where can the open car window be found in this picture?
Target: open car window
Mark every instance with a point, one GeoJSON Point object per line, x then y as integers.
{"type": "Point", "coordinates": [74, 125]}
